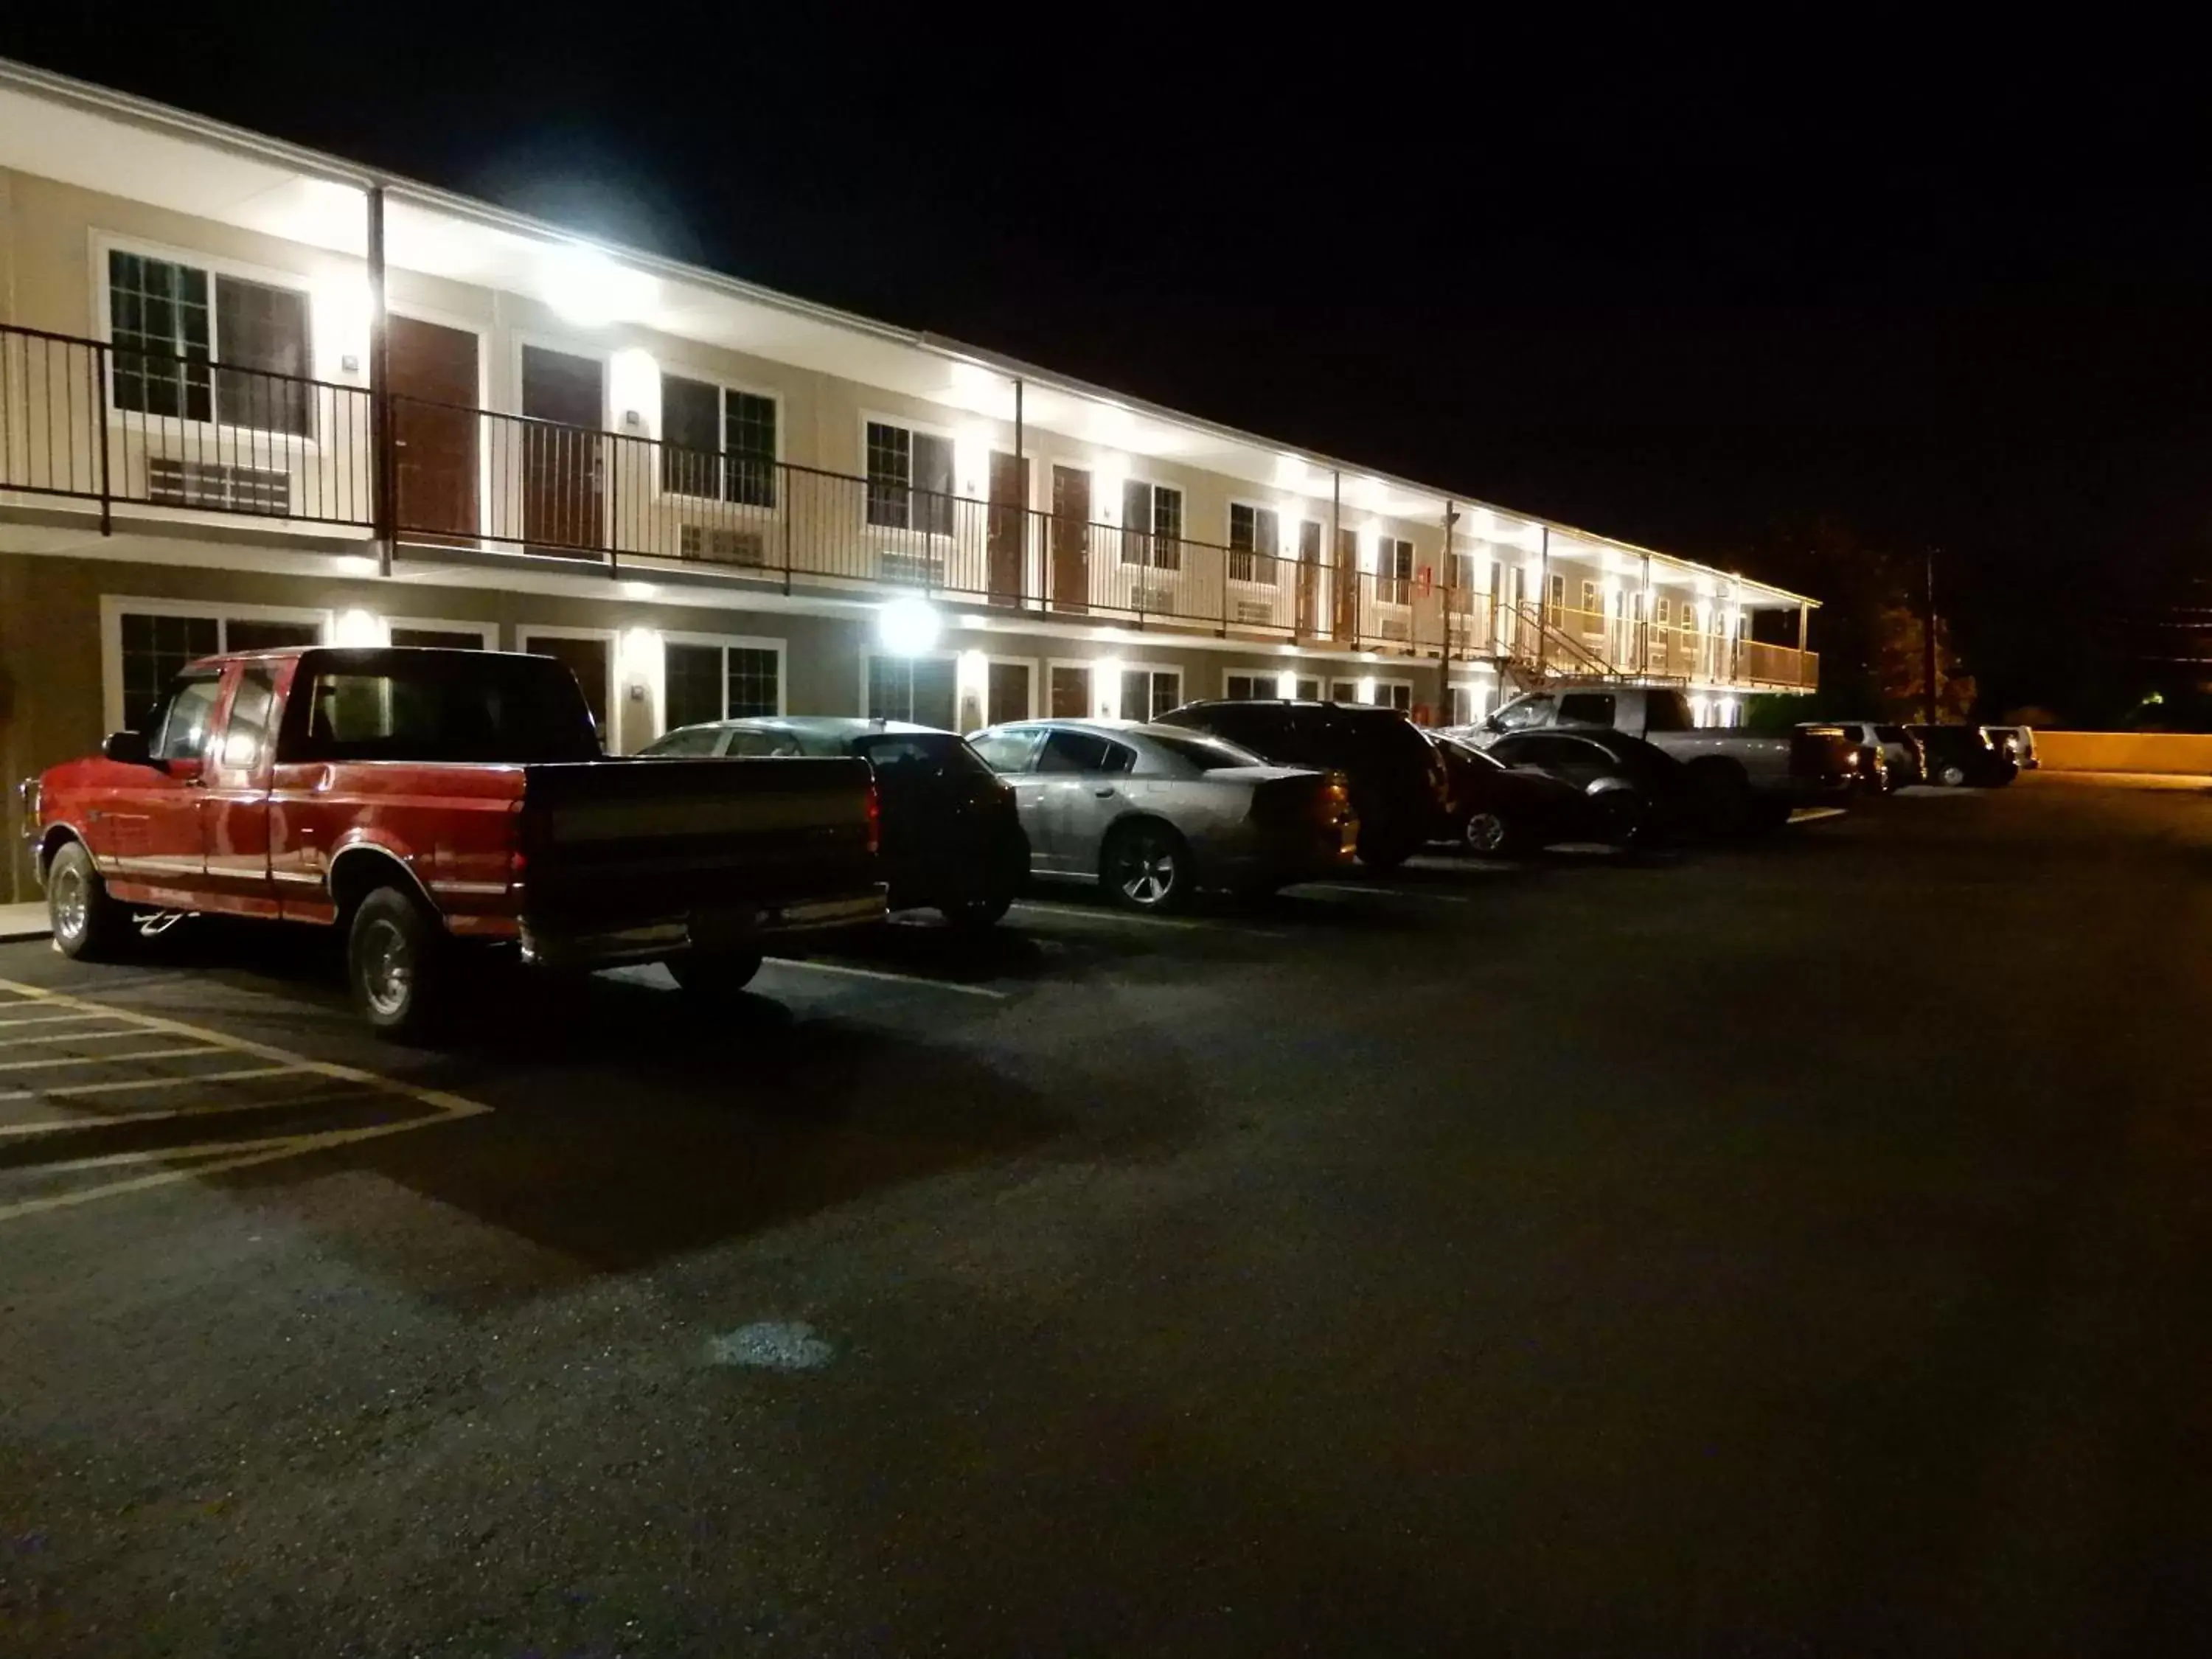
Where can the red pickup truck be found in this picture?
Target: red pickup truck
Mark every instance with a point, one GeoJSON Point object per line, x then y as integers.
{"type": "Point", "coordinates": [424, 802]}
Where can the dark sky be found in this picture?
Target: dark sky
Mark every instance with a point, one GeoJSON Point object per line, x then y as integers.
{"type": "Point", "coordinates": [1675, 288]}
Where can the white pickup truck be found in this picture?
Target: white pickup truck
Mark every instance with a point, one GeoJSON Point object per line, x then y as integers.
{"type": "Point", "coordinates": [1744, 778]}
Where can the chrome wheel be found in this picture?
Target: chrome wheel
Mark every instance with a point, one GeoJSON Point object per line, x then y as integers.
{"type": "Point", "coordinates": [1486, 833]}
{"type": "Point", "coordinates": [69, 903]}
{"type": "Point", "coordinates": [1148, 870]}
{"type": "Point", "coordinates": [1952, 776]}
{"type": "Point", "coordinates": [387, 967]}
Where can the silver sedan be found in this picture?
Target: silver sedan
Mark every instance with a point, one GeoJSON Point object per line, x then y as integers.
{"type": "Point", "coordinates": [1153, 812]}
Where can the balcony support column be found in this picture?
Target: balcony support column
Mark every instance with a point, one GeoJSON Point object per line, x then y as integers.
{"type": "Point", "coordinates": [1447, 590]}
{"type": "Point", "coordinates": [1543, 599]}
{"type": "Point", "coordinates": [1643, 626]}
{"type": "Point", "coordinates": [1021, 497]}
{"type": "Point", "coordinates": [1804, 616]}
{"type": "Point", "coordinates": [382, 465]}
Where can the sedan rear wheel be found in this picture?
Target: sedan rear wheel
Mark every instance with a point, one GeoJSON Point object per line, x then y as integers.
{"type": "Point", "coordinates": [1147, 867]}
{"type": "Point", "coordinates": [1490, 835]}
{"type": "Point", "coordinates": [1951, 775]}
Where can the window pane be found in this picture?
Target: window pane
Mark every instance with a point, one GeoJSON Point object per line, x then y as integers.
{"type": "Point", "coordinates": [1006, 751]}
{"type": "Point", "coordinates": [933, 472]}
{"type": "Point", "coordinates": [1241, 686]}
{"type": "Point", "coordinates": [690, 436]}
{"type": "Point", "coordinates": [698, 740]}
{"type": "Point", "coordinates": [261, 333]}
{"type": "Point", "coordinates": [1167, 529]}
{"type": "Point", "coordinates": [755, 681]}
{"type": "Point", "coordinates": [183, 735]}
{"type": "Point", "coordinates": [156, 649]}
{"type": "Point", "coordinates": [1075, 751]}
{"type": "Point", "coordinates": [748, 435]}
{"type": "Point", "coordinates": [1243, 531]}
{"type": "Point", "coordinates": [158, 314]}
{"type": "Point", "coordinates": [891, 470]}
{"type": "Point", "coordinates": [692, 682]}
{"type": "Point", "coordinates": [248, 721]}
{"type": "Point", "coordinates": [397, 705]}
{"type": "Point", "coordinates": [1009, 698]}
{"type": "Point", "coordinates": [917, 688]}
{"type": "Point", "coordinates": [268, 635]}
{"type": "Point", "coordinates": [1136, 520]}
{"type": "Point", "coordinates": [1587, 708]}
{"type": "Point", "coordinates": [1167, 692]}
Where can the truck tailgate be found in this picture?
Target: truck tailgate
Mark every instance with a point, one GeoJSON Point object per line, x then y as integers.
{"type": "Point", "coordinates": [737, 842]}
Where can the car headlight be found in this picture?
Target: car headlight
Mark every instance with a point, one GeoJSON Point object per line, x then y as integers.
{"type": "Point", "coordinates": [1607, 785]}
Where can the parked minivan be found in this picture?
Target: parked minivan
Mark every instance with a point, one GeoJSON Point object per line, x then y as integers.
{"type": "Point", "coordinates": [1399, 786]}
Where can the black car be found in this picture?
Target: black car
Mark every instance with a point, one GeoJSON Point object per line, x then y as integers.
{"type": "Point", "coordinates": [1502, 811]}
{"type": "Point", "coordinates": [1639, 791]}
{"type": "Point", "coordinates": [1397, 779]}
{"type": "Point", "coordinates": [952, 838]}
{"type": "Point", "coordinates": [1963, 757]}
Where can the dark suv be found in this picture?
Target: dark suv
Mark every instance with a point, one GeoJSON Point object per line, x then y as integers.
{"type": "Point", "coordinates": [1399, 787]}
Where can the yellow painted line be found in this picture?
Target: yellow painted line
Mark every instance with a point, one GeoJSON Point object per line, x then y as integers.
{"type": "Point", "coordinates": [1115, 918]}
{"type": "Point", "coordinates": [121, 1085]}
{"type": "Point", "coordinates": [105, 1060]}
{"type": "Point", "coordinates": [883, 974]}
{"type": "Point", "coordinates": [1376, 892]}
{"type": "Point", "coordinates": [165, 1114]}
{"type": "Point", "coordinates": [216, 1158]}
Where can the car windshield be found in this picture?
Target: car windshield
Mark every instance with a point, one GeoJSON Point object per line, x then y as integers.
{"type": "Point", "coordinates": [1207, 754]}
{"type": "Point", "coordinates": [1890, 733]}
{"type": "Point", "coordinates": [919, 754]}
{"type": "Point", "coordinates": [470, 706]}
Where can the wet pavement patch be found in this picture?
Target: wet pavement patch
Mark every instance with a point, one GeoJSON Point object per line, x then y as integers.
{"type": "Point", "coordinates": [772, 1344]}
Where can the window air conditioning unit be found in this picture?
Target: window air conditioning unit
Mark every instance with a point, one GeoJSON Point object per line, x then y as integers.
{"type": "Point", "coordinates": [748, 547]}
{"type": "Point", "coordinates": [912, 569]}
{"type": "Point", "coordinates": [1152, 595]}
{"type": "Point", "coordinates": [174, 482]}
{"type": "Point", "coordinates": [1394, 628]}
{"type": "Point", "coordinates": [1254, 613]}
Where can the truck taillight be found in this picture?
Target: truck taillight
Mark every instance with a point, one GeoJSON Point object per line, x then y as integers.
{"type": "Point", "coordinates": [875, 820]}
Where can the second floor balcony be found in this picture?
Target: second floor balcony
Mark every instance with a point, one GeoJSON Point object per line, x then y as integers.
{"type": "Point", "coordinates": [99, 428]}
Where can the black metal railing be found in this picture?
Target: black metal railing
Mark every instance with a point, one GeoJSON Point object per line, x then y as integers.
{"type": "Point", "coordinates": [116, 425]}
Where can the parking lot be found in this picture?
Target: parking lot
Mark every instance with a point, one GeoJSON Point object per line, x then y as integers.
{"type": "Point", "coordinates": [1793, 1247]}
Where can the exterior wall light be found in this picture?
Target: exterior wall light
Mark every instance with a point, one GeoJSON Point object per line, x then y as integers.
{"type": "Point", "coordinates": [907, 626]}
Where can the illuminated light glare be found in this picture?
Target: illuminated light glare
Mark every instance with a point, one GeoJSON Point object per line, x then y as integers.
{"type": "Point", "coordinates": [1365, 691]}
{"type": "Point", "coordinates": [1108, 680]}
{"type": "Point", "coordinates": [589, 289]}
{"type": "Point", "coordinates": [341, 307]}
{"type": "Point", "coordinates": [355, 564]}
{"type": "Point", "coordinates": [633, 389]}
{"type": "Point", "coordinates": [358, 627]}
{"type": "Point", "coordinates": [639, 590]}
{"type": "Point", "coordinates": [1369, 656]}
{"type": "Point", "coordinates": [1286, 685]}
{"type": "Point", "coordinates": [907, 626]}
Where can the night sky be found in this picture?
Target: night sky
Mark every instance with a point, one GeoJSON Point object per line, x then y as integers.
{"type": "Point", "coordinates": [1680, 290]}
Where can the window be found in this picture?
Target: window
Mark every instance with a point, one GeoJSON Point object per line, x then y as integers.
{"type": "Point", "coordinates": [1344, 691]}
{"type": "Point", "coordinates": [1209, 753]}
{"type": "Point", "coordinates": [1070, 693]}
{"type": "Point", "coordinates": [155, 648]}
{"type": "Point", "coordinates": [1394, 570]}
{"type": "Point", "coordinates": [1555, 593]}
{"type": "Point", "coordinates": [1152, 525]}
{"type": "Point", "coordinates": [244, 731]}
{"type": "Point", "coordinates": [710, 682]}
{"type": "Point", "coordinates": [1586, 708]}
{"type": "Point", "coordinates": [1083, 751]}
{"type": "Point", "coordinates": [1253, 535]}
{"type": "Point", "coordinates": [919, 755]}
{"type": "Point", "coordinates": [916, 689]}
{"type": "Point", "coordinates": [1459, 705]}
{"type": "Point", "coordinates": [180, 732]}
{"type": "Point", "coordinates": [909, 479]}
{"type": "Point", "coordinates": [1395, 695]}
{"type": "Point", "coordinates": [1148, 693]}
{"type": "Point", "coordinates": [747, 744]}
{"type": "Point", "coordinates": [695, 741]}
{"type": "Point", "coordinates": [443, 639]}
{"type": "Point", "coordinates": [1590, 597]}
{"type": "Point", "coordinates": [1008, 693]}
{"type": "Point", "coordinates": [1527, 712]}
{"type": "Point", "coordinates": [717, 442]}
{"type": "Point", "coordinates": [198, 347]}
{"type": "Point", "coordinates": [1243, 688]}
{"type": "Point", "coordinates": [1663, 611]}
{"type": "Point", "coordinates": [397, 705]}
{"type": "Point", "coordinates": [1006, 751]}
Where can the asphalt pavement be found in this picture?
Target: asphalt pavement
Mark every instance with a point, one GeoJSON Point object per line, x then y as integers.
{"type": "Point", "coordinates": [1798, 1248]}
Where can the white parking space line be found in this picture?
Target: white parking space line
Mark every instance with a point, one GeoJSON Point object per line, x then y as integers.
{"type": "Point", "coordinates": [75, 1036]}
{"type": "Point", "coordinates": [1118, 918]}
{"type": "Point", "coordinates": [848, 972]}
{"type": "Point", "coordinates": [1376, 892]}
{"type": "Point", "coordinates": [189, 1162]}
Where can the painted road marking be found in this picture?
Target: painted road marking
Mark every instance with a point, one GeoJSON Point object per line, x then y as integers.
{"type": "Point", "coordinates": [205, 1157]}
{"type": "Point", "coordinates": [71, 1036]}
{"type": "Point", "coordinates": [1376, 892]}
{"type": "Point", "coordinates": [52, 1061]}
{"type": "Point", "coordinates": [886, 974]}
{"type": "Point", "coordinates": [1077, 912]}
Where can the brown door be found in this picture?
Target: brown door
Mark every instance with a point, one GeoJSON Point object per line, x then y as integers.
{"type": "Point", "coordinates": [587, 660]}
{"type": "Point", "coordinates": [561, 451]}
{"type": "Point", "coordinates": [1009, 502]}
{"type": "Point", "coordinates": [1309, 576]}
{"type": "Point", "coordinates": [434, 429]}
{"type": "Point", "coordinates": [1346, 610]}
{"type": "Point", "coordinates": [1071, 539]}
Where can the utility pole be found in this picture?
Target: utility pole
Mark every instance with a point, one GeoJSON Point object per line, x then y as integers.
{"type": "Point", "coordinates": [1928, 643]}
{"type": "Point", "coordinates": [1448, 591]}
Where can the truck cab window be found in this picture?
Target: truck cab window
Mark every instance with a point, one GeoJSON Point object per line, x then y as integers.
{"type": "Point", "coordinates": [1586, 708]}
{"type": "Point", "coordinates": [1520, 716]}
{"type": "Point", "coordinates": [180, 725]}
{"type": "Point", "coordinates": [248, 728]}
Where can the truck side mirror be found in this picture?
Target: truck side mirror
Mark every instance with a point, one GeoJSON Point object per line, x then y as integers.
{"type": "Point", "coordinates": [128, 747]}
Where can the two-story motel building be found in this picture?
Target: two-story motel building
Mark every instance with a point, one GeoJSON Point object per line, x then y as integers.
{"type": "Point", "coordinates": [253, 395]}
